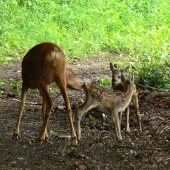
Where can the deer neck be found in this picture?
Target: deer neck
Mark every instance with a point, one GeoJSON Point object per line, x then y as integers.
{"type": "Point", "coordinates": [128, 95]}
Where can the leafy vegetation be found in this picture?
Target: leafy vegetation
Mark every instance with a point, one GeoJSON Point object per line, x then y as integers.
{"type": "Point", "coordinates": [15, 86]}
{"type": "Point", "coordinates": [104, 82]}
{"type": "Point", "coordinates": [2, 86]}
{"type": "Point", "coordinates": [140, 29]}
{"type": "Point", "coordinates": [155, 74]}
{"type": "Point", "coordinates": [53, 133]}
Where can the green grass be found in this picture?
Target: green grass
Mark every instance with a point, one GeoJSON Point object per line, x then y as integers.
{"type": "Point", "coordinates": [140, 29]}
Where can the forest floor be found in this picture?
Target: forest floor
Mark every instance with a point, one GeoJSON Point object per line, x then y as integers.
{"type": "Point", "coordinates": [98, 148]}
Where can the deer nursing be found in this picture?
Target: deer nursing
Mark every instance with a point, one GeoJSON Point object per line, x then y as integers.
{"type": "Point", "coordinates": [43, 65]}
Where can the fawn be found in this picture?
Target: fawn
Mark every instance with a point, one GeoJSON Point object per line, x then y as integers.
{"type": "Point", "coordinates": [110, 101]}
{"type": "Point", "coordinates": [43, 65]}
{"type": "Point", "coordinates": [118, 85]}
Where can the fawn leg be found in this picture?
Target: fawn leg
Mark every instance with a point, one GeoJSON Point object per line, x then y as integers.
{"type": "Point", "coordinates": [120, 117]}
{"type": "Point", "coordinates": [127, 119]}
{"type": "Point", "coordinates": [21, 108]}
{"type": "Point", "coordinates": [136, 105]}
{"type": "Point", "coordinates": [115, 118]}
{"type": "Point", "coordinates": [47, 105]}
{"type": "Point", "coordinates": [88, 104]}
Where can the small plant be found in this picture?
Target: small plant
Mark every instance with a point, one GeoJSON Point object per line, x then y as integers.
{"type": "Point", "coordinates": [66, 149]}
{"type": "Point", "coordinates": [2, 85]}
{"type": "Point", "coordinates": [104, 82]}
{"type": "Point", "coordinates": [54, 89]}
{"type": "Point", "coordinates": [52, 133]}
{"type": "Point", "coordinates": [15, 86]}
{"type": "Point", "coordinates": [117, 153]}
{"type": "Point", "coordinates": [132, 152]}
{"type": "Point", "coordinates": [92, 118]}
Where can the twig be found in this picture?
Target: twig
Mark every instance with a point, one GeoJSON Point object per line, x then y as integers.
{"type": "Point", "coordinates": [153, 88]}
{"type": "Point", "coordinates": [130, 147]}
{"type": "Point", "coordinates": [54, 99]}
{"type": "Point", "coordinates": [30, 103]}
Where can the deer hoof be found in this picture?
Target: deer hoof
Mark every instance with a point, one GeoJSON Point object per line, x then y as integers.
{"type": "Point", "coordinates": [74, 141]}
{"type": "Point", "coordinates": [46, 139]}
{"type": "Point", "coordinates": [15, 136]}
{"type": "Point", "coordinates": [140, 130]}
{"type": "Point", "coordinates": [38, 141]}
{"type": "Point", "coordinates": [128, 130]}
{"type": "Point", "coordinates": [120, 139]}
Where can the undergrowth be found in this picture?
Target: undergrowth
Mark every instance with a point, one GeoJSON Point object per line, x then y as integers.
{"type": "Point", "coordinates": [140, 29]}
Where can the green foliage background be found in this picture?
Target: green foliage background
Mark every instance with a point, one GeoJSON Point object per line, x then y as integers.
{"type": "Point", "coordinates": [140, 29]}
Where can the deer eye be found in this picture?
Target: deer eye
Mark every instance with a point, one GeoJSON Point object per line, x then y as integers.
{"type": "Point", "coordinates": [119, 77]}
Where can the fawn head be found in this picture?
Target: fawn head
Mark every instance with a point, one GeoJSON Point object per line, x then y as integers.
{"type": "Point", "coordinates": [128, 85]}
{"type": "Point", "coordinates": [116, 75]}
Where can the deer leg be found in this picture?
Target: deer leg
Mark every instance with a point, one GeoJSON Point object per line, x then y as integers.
{"type": "Point", "coordinates": [47, 105]}
{"type": "Point", "coordinates": [115, 119]}
{"type": "Point", "coordinates": [120, 117]}
{"type": "Point", "coordinates": [61, 82]}
{"type": "Point", "coordinates": [88, 104]}
{"type": "Point", "coordinates": [136, 105]}
{"type": "Point", "coordinates": [21, 108]}
{"type": "Point", "coordinates": [127, 119]}
{"type": "Point", "coordinates": [43, 112]}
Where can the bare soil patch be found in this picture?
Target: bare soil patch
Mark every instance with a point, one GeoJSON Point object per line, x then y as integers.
{"type": "Point", "coordinates": [98, 148]}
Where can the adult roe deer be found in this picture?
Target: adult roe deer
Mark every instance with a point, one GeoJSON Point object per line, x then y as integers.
{"type": "Point", "coordinates": [112, 101]}
{"type": "Point", "coordinates": [43, 65]}
{"type": "Point", "coordinates": [118, 85]}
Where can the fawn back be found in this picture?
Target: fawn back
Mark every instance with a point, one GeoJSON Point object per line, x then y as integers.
{"type": "Point", "coordinates": [43, 65]}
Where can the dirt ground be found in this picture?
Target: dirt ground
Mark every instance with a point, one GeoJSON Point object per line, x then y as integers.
{"type": "Point", "coordinates": [98, 149]}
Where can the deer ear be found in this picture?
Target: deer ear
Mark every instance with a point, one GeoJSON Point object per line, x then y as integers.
{"type": "Point", "coordinates": [132, 78]}
{"type": "Point", "coordinates": [112, 67]}
{"type": "Point", "coordinates": [123, 79]}
{"type": "Point", "coordinates": [125, 70]}
{"type": "Point", "coordinates": [115, 65]}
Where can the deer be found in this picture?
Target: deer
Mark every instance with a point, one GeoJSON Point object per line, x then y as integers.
{"type": "Point", "coordinates": [117, 84]}
{"type": "Point", "coordinates": [43, 65]}
{"type": "Point", "coordinates": [113, 102]}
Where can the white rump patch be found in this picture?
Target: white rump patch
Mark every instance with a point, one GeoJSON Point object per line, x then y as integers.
{"type": "Point", "coordinates": [52, 56]}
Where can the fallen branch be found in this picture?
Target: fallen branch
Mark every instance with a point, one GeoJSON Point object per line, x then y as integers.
{"type": "Point", "coordinates": [153, 88]}
{"type": "Point", "coordinates": [157, 94]}
{"type": "Point", "coordinates": [141, 148]}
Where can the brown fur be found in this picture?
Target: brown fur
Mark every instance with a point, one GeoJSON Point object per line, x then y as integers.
{"type": "Point", "coordinates": [113, 102]}
{"type": "Point", "coordinates": [118, 85]}
{"type": "Point", "coordinates": [43, 65]}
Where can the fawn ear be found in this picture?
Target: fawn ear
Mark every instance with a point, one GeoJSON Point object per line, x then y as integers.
{"type": "Point", "coordinates": [125, 70]}
{"type": "Point", "coordinates": [123, 79]}
{"type": "Point", "coordinates": [132, 78]}
{"type": "Point", "coordinates": [112, 67]}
